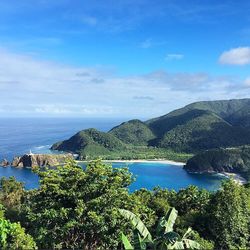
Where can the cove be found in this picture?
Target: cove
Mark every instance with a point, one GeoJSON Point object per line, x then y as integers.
{"type": "Point", "coordinates": [148, 175]}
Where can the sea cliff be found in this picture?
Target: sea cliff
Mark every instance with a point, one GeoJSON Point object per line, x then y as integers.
{"type": "Point", "coordinates": [40, 160]}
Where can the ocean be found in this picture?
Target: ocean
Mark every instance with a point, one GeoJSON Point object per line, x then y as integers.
{"type": "Point", "coordinates": [22, 135]}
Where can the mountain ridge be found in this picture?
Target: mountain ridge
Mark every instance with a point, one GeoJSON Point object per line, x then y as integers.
{"type": "Point", "coordinates": [195, 127]}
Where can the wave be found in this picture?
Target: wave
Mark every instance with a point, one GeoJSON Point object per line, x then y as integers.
{"type": "Point", "coordinates": [42, 147]}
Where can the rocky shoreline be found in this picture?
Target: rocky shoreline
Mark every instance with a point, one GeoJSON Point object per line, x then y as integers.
{"type": "Point", "coordinates": [235, 176]}
{"type": "Point", "coordinates": [37, 160]}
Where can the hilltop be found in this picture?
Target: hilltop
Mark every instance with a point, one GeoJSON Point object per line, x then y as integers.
{"type": "Point", "coordinates": [133, 132]}
{"type": "Point", "coordinates": [90, 143]}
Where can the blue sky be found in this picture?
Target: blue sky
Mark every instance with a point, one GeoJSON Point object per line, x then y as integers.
{"type": "Point", "coordinates": [126, 58]}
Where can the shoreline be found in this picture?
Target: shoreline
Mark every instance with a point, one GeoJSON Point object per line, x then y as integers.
{"type": "Point", "coordinates": [236, 177]}
{"type": "Point", "coordinates": [150, 161]}
{"type": "Point", "coordinates": [163, 161]}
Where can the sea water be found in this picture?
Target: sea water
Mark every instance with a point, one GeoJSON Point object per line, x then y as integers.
{"type": "Point", "coordinates": [20, 135]}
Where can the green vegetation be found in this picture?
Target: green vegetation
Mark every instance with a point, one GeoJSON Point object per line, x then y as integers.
{"type": "Point", "coordinates": [13, 236]}
{"type": "Point", "coordinates": [134, 153]}
{"type": "Point", "coordinates": [235, 160]}
{"type": "Point", "coordinates": [204, 125]}
{"type": "Point", "coordinates": [81, 208]}
{"type": "Point", "coordinates": [204, 131]}
{"type": "Point", "coordinates": [133, 132]}
{"type": "Point", "coordinates": [229, 217]}
{"type": "Point", "coordinates": [165, 237]}
{"type": "Point", "coordinates": [196, 127]}
{"type": "Point", "coordinates": [90, 142]}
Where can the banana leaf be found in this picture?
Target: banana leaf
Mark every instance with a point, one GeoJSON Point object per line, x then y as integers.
{"type": "Point", "coordinates": [137, 223]}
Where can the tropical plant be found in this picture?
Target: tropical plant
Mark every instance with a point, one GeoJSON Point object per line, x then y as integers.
{"type": "Point", "coordinates": [76, 207]}
{"type": "Point", "coordinates": [165, 237]}
{"type": "Point", "coordinates": [228, 217]}
{"type": "Point", "coordinates": [13, 236]}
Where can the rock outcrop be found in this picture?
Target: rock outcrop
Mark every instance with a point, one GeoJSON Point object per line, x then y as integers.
{"type": "Point", "coordinates": [4, 163]}
{"type": "Point", "coordinates": [40, 160]}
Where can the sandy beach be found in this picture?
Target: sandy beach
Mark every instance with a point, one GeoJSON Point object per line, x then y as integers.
{"type": "Point", "coordinates": [149, 161]}
{"type": "Point", "coordinates": [146, 161]}
{"type": "Point", "coordinates": [236, 177]}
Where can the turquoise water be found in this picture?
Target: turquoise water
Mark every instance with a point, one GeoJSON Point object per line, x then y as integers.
{"type": "Point", "coordinates": [148, 175]}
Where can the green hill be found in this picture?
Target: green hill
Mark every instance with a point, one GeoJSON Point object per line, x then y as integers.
{"type": "Point", "coordinates": [234, 160]}
{"type": "Point", "coordinates": [90, 143]}
{"type": "Point", "coordinates": [133, 132]}
{"type": "Point", "coordinates": [205, 131]}
{"type": "Point", "coordinates": [203, 125]}
{"type": "Point", "coordinates": [241, 117]}
{"type": "Point", "coordinates": [196, 127]}
{"type": "Point", "coordinates": [224, 109]}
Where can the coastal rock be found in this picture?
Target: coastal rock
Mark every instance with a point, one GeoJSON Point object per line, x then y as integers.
{"type": "Point", "coordinates": [16, 161]}
{"type": "Point", "coordinates": [4, 163]}
{"type": "Point", "coordinates": [40, 160]}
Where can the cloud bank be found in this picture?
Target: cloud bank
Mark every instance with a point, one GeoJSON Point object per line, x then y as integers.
{"type": "Point", "coordinates": [33, 87]}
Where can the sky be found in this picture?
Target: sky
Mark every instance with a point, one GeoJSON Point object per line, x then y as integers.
{"type": "Point", "coordinates": [120, 58]}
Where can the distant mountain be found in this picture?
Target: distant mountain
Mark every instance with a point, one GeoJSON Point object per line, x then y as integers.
{"type": "Point", "coordinates": [204, 125]}
{"type": "Point", "coordinates": [196, 127]}
{"type": "Point", "coordinates": [234, 160]}
{"type": "Point", "coordinates": [224, 109]}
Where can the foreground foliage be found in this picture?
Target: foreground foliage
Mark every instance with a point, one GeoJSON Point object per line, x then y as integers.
{"type": "Point", "coordinates": [229, 218]}
{"type": "Point", "coordinates": [13, 236]}
{"type": "Point", "coordinates": [80, 208]}
{"type": "Point", "coordinates": [74, 208]}
{"type": "Point", "coordinates": [165, 237]}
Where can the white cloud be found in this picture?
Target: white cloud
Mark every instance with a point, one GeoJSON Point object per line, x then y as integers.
{"type": "Point", "coordinates": [35, 87]}
{"type": "Point", "coordinates": [236, 56]}
{"type": "Point", "coordinates": [171, 57]}
{"type": "Point", "coordinates": [89, 20]}
{"type": "Point", "coordinates": [146, 44]}
{"type": "Point", "coordinates": [247, 82]}
{"type": "Point", "coordinates": [149, 43]}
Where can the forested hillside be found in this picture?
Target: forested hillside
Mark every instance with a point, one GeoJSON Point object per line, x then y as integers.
{"type": "Point", "coordinates": [234, 160]}
{"type": "Point", "coordinates": [133, 132]}
{"type": "Point", "coordinates": [196, 127]}
{"type": "Point", "coordinates": [76, 208]}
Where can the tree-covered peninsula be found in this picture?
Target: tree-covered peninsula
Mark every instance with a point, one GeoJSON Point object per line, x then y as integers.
{"type": "Point", "coordinates": [231, 160]}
